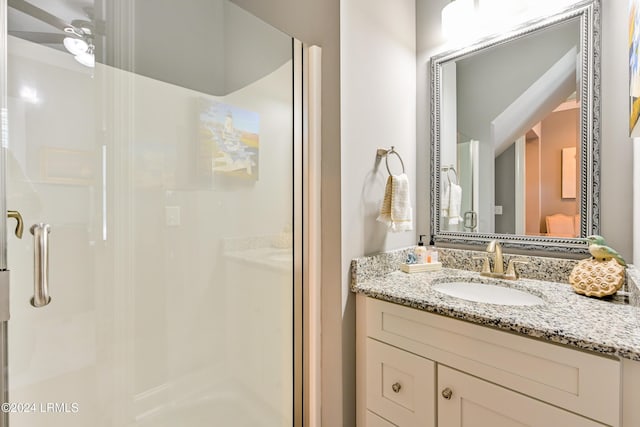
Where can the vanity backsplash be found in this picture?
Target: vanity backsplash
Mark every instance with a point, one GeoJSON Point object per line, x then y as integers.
{"type": "Point", "coordinates": [538, 268]}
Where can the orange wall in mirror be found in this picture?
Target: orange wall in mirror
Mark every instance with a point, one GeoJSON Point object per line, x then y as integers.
{"type": "Point", "coordinates": [557, 131]}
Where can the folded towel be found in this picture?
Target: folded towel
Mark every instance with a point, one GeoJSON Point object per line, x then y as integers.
{"type": "Point", "coordinates": [396, 205]}
{"type": "Point", "coordinates": [455, 203]}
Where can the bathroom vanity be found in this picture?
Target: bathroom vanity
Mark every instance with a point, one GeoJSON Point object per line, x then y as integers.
{"type": "Point", "coordinates": [425, 358]}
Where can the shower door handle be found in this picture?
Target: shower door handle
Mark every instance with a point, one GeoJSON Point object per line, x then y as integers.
{"type": "Point", "coordinates": [470, 220]}
{"type": "Point", "coordinates": [41, 296]}
{"type": "Point", "coordinates": [19, 222]}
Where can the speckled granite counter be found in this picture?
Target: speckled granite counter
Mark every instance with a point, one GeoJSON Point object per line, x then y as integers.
{"type": "Point", "coordinates": [610, 327]}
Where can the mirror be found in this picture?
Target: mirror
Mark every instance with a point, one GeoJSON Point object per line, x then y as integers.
{"type": "Point", "coordinates": [515, 136]}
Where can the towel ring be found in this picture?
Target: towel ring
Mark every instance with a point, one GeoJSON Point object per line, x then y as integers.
{"type": "Point", "coordinates": [448, 169]}
{"type": "Point", "coordinates": [386, 153]}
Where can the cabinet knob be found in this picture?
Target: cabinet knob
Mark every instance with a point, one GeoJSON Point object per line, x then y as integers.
{"type": "Point", "coordinates": [447, 393]}
{"type": "Point", "coordinates": [396, 387]}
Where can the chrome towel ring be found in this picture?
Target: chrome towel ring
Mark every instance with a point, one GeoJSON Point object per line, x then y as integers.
{"type": "Point", "coordinates": [385, 153]}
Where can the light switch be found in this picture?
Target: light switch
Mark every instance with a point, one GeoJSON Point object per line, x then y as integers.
{"type": "Point", "coordinates": [172, 215]}
{"type": "Point", "coordinates": [497, 210]}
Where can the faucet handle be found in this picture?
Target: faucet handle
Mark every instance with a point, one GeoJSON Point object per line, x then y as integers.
{"type": "Point", "coordinates": [486, 269]}
{"type": "Point", "coordinates": [511, 267]}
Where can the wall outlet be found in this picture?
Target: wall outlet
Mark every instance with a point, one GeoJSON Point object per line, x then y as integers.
{"type": "Point", "coordinates": [497, 210]}
{"type": "Point", "coordinates": [172, 216]}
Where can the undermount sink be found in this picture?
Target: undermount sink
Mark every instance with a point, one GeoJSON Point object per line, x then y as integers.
{"type": "Point", "coordinates": [492, 294]}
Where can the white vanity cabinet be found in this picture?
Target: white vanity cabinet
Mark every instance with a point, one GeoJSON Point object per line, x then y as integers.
{"type": "Point", "coordinates": [416, 368]}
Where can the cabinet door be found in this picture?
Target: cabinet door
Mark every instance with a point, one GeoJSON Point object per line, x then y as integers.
{"type": "Point", "coordinates": [466, 401]}
{"type": "Point", "coordinates": [400, 386]}
{"type": "Point", "coordinates": [375, 421]}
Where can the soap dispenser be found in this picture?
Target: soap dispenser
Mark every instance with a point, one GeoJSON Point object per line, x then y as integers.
{"type": "Point", "coordinates": [421, 252]}
{"type": "Point", "coordinates": [433, 252]}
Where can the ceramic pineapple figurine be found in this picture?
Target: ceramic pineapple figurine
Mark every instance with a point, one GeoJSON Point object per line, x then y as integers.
{"type": "Point", "coordinates": [601, 275]}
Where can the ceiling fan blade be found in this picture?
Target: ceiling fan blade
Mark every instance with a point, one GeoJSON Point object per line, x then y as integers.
{"type": "Point", "coordinates": [37, 37]}
{"type": "Point", "coordinates": [39, 14]}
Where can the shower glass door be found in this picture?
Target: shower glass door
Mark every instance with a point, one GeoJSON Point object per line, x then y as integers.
{"type": "Point", "coordinates": [156, 139]}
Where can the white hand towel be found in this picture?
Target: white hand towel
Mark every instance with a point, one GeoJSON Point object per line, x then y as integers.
{"type": "Point", "coordinates": [455, 203]}
{"type": "Point", "coordinates": [396, 205]}
{"type": "Point", "coordinates": [444, 206]}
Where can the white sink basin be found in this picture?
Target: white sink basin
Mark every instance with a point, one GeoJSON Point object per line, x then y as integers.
{"type": "Point", "coordinates": [491, 294]}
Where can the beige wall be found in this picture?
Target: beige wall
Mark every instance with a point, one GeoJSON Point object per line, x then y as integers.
{"type": "Point", "coordinates": [559, 131]}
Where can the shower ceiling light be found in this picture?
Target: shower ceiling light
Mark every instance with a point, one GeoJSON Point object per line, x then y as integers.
{"type": "Point", "coordinates": [75, 46]}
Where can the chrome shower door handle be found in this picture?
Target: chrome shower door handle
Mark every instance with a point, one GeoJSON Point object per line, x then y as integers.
{"type": "Point", "coordinates": [470, 220]}
{"type": "Point", "coordinates": [41, 296]}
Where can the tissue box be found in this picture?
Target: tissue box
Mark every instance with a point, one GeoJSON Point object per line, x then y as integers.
{"type": "Point", "coordinates": [418, 268]}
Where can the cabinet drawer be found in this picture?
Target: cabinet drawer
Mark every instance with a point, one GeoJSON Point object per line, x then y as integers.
{"type": "Point", "coordinates": [578, 381]}
{"type": "Point", "coordinates": [471, 402]}
{"type": "Point", "coordinates": [400, 385]}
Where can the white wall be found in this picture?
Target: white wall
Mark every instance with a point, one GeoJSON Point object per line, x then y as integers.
{"type": "Point", "coordinates": [378, 111]}
{"type": "Point", "coordinates": [221, 38]}
{"type": "Point", "coordinates": [636, 201]}
{"type": "Point", "coordinates": [378, 95]}
{"type": "Point", "coordinates": [616, 206]}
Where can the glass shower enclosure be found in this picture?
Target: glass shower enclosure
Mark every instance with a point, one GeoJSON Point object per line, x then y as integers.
{"type": "Point", "coordinates": [150, 149]}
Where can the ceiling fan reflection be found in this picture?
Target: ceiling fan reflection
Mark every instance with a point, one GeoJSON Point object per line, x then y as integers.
{"type": "Point", "coordinates": [77, 37]}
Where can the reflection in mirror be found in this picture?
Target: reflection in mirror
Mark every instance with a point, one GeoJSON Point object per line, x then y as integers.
{"type": "Point", "coordinates": [512, 148]}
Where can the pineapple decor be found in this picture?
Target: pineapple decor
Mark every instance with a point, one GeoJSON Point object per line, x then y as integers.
{"type": "Point", "coordinates": [601, 275]}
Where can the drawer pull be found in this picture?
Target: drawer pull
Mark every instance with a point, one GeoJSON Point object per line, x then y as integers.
{"type": "Point", "coordinates": [447, 393]}
{"type": "Point", "coordinates": [396, 387]}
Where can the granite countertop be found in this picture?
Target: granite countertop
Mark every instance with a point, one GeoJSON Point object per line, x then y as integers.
{"type": "Point", "coordinates": [609, 326]}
